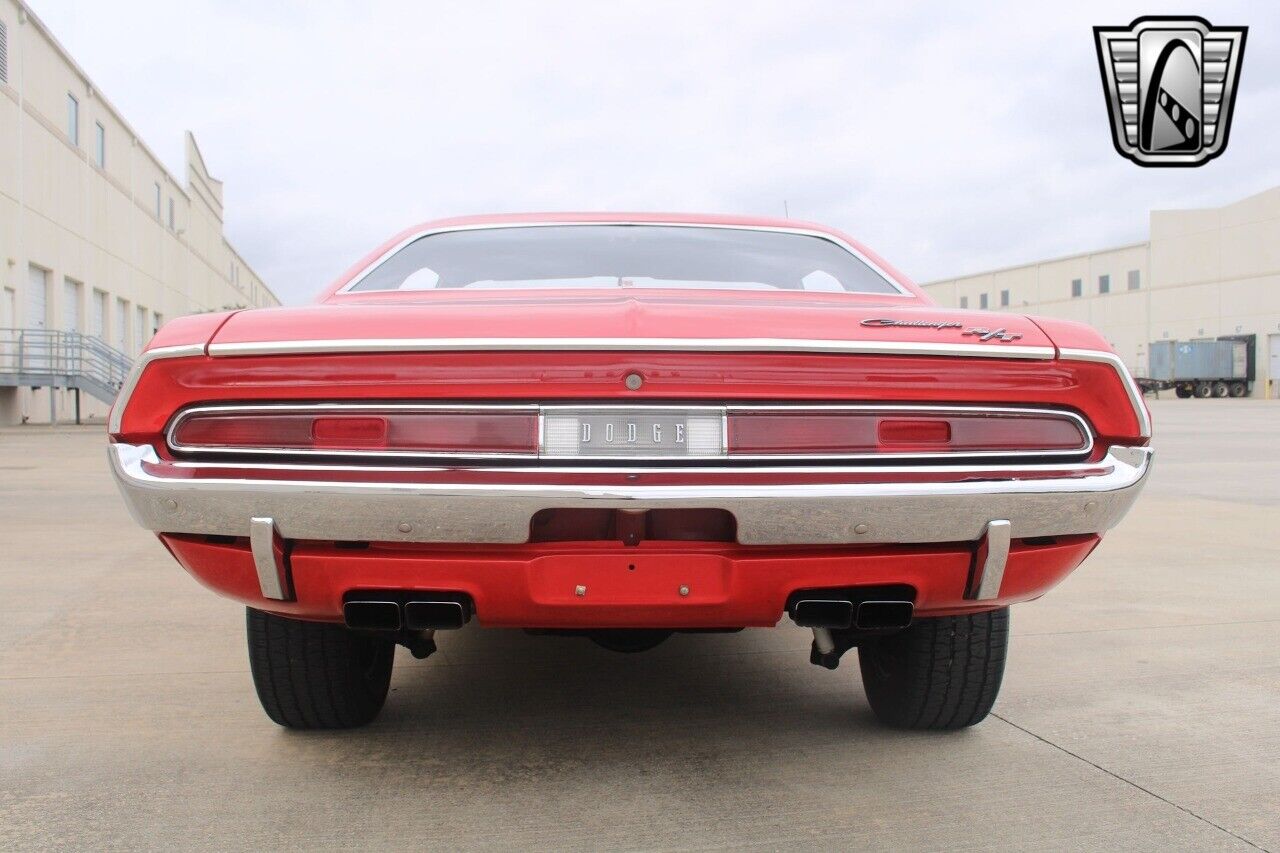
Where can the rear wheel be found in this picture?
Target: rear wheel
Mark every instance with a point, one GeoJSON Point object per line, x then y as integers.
{"type": "Point", "coordinates": [317, 675]}
{"type": "Point", "coordinates": [1182, 391]}
{"type": "Point", "coordinates": [940, 673]}
{"type": "Point", "coordinates": [1220, 389]}
{"type": "Point", "coordinates": [1238, 389]}
{"type": "Point", "coordinates": [1203, 389]}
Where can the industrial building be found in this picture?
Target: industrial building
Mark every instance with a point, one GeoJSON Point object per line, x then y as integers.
{"type": "Point", "coordinates": [1203, 274]}
{"type": "Point", "coordinates": [99, 243]}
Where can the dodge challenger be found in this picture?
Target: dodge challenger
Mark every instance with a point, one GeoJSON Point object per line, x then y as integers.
{"type": "Point", "coordinates": [622, 427]}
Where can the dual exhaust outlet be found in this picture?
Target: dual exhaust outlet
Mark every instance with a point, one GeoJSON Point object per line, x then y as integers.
{"type": "Point", "coordinates": [823, 609]}
{"type": "Point", "coordinates": [394, 611]}
{"type": "Point", "coordinates": [843, 618]}
{"type": "Point", "coordinates": [887, 608]}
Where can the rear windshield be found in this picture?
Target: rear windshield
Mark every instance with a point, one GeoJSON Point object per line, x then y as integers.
{"type": "Point", "coordinates": [614, 256]}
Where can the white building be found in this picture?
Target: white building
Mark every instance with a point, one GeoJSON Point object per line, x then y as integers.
{"type": "Point", "coordinates": [96, 236]}
{"type": "Point", "coordinates": [1202, 274]}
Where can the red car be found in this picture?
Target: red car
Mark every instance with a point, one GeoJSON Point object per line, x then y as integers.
{"type": "Point", "coordinates": [623, 426]}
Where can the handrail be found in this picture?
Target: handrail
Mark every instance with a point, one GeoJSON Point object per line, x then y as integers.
{"type": "Point", "coordinates": [63, 358]}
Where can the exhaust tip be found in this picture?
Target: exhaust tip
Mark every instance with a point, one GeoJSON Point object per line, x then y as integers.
{"type": "Point", "coordinates": [435, 615]}
{"type": "Point", "coordinates": [883, 615]}
{"type": "Point", "coordinates": [372, 615]}
{"type": "Point", "coordinates": [822, 613]}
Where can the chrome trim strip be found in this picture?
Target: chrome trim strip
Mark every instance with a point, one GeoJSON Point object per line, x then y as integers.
{"type": "Point", "coordinates": [1073, 469]}
{"type": "Point", "coordinates": [1126, 379]}
{"type": "Point", "coordinates": [355, 345]}
{"type": "Point", "coordinates": [519, 408]}
{"type": "Point", "coordinates": [724, 411]}
{"type": "Point", "coordinates": [784, 514]}
{"type": "Point", "coordinates": [268, 558]}
{"type": "Point", "coordinates": [696, 408]}
{"type": "Point", "coordinates": [492, 226]}
{"type": "Point", "coordinates": [993, 555]}
{"type": "Point", "coordinates": [131, 382]}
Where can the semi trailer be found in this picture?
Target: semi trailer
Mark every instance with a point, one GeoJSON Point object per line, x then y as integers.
{"type": "Point", "coordinates": [1203, 368]}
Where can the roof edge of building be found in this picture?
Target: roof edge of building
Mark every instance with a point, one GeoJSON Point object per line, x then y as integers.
{"type": "Point", "coordinates": [183, 186]}
{"type": "Point", "coordinates": [1042, 261]}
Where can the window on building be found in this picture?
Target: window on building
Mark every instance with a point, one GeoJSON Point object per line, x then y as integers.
{"type": "Point", "coordinates": [100, 144]}
{"type": "Point", "coordinates": [118, 328]}
{"type": "Point", "coordinates": [1004, 299]}
{"type": "Point", "coordinates": [1077, 287]}
{"type": "Point", "coordinates": [98, 317]}
{"type": "Point", "coordinates": [4, 53]}
{"type": "Point", "coordinates": [37, 297]}
{"type": "Point", "coordinates": [964, 302]}
{"type": "Point", "coordinates": [170, 214]}
{"type": "Point", "coordinates": [157, 320]}
{"type": "Point", "coordinates": [73, 119]}
{"type": "Point", "coordinates": [1104, 284]}
{"type": "Point", "coordinates": [1135, 280]}
{"type": "Point", "coordinates": [982, 302]}
{"type": "Point", "coordinates": [140, 336]}
{"type": "Point", "coordinates": [157, 202]}
{"type": "Point", "coordinates": [71, 290]}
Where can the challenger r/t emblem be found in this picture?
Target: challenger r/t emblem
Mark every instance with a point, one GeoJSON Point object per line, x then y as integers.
{"type": "Point", "coordinates": [1170, 86]}
{"type": "Point", "coordinates": [1002, 335]}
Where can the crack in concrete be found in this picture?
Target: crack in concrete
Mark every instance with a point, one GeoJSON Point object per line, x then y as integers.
{"type": "Point", "coordinates": [1129, 782]}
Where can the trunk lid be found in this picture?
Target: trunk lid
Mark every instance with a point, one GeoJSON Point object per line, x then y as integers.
{"type": "Point", "coordinates": [553, 315]}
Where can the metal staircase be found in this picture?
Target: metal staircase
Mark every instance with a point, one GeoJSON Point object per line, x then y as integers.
{"type": "Point", "coordinates": [43, 358]}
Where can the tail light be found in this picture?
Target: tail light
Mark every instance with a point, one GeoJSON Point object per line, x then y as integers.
{"type": "Point", "coordinates": [837, 432]}
{"type": "Point", "coordinates": [637, 433]}
{"type": "Point", "coordinates": [471, 432]}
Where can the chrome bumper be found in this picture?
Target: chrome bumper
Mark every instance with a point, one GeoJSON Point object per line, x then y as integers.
{"type": "Point", "coordinates": [803, 514]}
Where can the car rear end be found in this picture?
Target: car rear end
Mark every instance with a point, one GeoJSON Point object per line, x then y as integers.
{"type": "Point", "coordinates": [392, 470]}
{"type": "Point", "coordinates": [860, 471]}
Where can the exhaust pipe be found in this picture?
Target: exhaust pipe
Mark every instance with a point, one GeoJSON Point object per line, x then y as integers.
{"type": "Point", "coordinates": [883, 615]}
{"type": "Point", "coordinates": [435, 615]}
{"type": "Point", "coordinates": [372, 615]}
{"type": "Point", "coordinates": [834, 614]}
{"type": "Point", "coordinates": [396, 610]}
{"type": "Point", "coordinates": [842, 618]}
{"type": "Point", "coordinates": [822, 613]}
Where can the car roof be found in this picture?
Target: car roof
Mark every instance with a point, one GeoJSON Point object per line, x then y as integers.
{"type": "Point", "coordinates": [581, 217]}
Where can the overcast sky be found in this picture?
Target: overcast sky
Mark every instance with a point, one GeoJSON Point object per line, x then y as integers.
{"type": "Point", "coordinates": [952, 137]}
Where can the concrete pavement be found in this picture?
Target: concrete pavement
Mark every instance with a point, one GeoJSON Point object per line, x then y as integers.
{"type": "Point", "coordinates": [1141, 707]}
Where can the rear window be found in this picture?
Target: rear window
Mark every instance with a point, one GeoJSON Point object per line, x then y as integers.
{"type": "Point", "coordinates": [619, 256]}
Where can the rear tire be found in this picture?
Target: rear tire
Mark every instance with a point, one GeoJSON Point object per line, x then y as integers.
{"type": "Point", "coordinates": [317, 675]}
{"type": "Point", "coordinates": [1182, 391]}
{"type": "Point", "coordinates": [1220, 389]}
{"type": "Point", "coordinates": [1203, 389]}
{"type": "Point", "coordinates": [941, 673]}
{"type": "Point", "coordinates": [1238, 389]}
